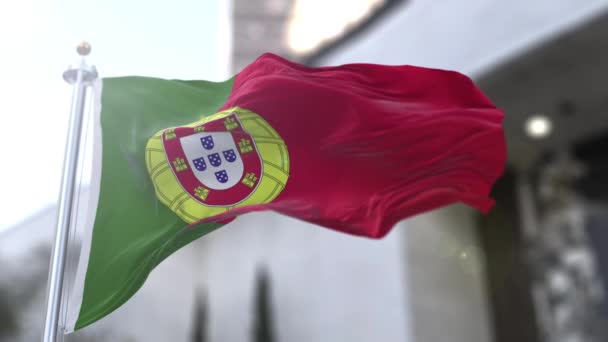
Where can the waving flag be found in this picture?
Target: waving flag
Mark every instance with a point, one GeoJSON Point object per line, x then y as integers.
{"type": "Point", "coordinates": [354, 148]}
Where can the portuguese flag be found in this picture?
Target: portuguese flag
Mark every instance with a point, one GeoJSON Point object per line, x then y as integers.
{"type": "Point", "coordinates": [354, 148]}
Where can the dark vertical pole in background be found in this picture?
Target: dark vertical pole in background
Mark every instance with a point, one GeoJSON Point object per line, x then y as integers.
{"type": "Point", "coordinates": [508, 277]}
{"type": "Point", "coordinates": [594, 186]}
{"type": "Point", "coordinates": [263, 312]}
{"type": "Point", "coordinates": [199, 323]}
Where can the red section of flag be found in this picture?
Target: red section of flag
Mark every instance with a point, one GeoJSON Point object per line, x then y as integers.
{"type": "Point", "coordinates": [370, 144]}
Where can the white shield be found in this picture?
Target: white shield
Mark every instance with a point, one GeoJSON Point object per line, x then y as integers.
{"type": "Point", "coordinates": [214, 159]}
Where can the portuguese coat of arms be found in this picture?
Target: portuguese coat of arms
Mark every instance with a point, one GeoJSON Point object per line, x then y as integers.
{"type": "Point", "coordinates": [217, 163]}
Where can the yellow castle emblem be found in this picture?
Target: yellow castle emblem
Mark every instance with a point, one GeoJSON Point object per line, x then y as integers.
{"type": "Point", "coordinates": [180, 164]}
{"type": "Point", "coordinates": [249, 179]}
{"type": "Point", "coordinates": [201, 192]}
{"type": "Point", "coordinates": [245, 146]}
{"type": "Point", "coordinates": [230, 124]}
{"type": "Point", "coordinates": [170, 134]}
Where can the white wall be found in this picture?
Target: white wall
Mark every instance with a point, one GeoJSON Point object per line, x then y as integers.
{"type": "Point", "coordinates": [325, 286]}
{"type": "Point", "coordinates": [468, 36]}
{"type": "Point", "coordinates": [447, 281]}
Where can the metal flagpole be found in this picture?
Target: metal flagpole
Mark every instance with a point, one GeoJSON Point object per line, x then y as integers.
{"type": "Point", "coordinates": [81, 77]}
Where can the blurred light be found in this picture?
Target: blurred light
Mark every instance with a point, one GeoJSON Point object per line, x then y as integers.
{"type": "Point", "coordinates": [578, 258]}
{"type": "Point", "coordinates": [559, 282]}
{"type": "Point", "coordinates": [538, 126]}
{"type": "Point", "coordinates": [314, 22]}
{"type": "Point", "coordinates": [470, 261]}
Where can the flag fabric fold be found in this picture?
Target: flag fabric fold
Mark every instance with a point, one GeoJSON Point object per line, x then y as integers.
{"type": "Point", "coordinates": [355, 148]}
{"type": "Point", "coordinates": [373, 144]}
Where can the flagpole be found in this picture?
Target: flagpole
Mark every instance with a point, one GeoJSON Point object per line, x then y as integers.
{"type": "Point", "coordinates": [81, 77]}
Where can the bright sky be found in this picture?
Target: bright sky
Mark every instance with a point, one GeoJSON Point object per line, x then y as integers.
{"type": "Point", "coordinates": [188, 39]}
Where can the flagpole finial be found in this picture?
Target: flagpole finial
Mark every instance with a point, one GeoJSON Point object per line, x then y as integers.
{"type": "Point", "coordinates": [88, 73]}
{"type": "Point", "coordinates": [83, 49]}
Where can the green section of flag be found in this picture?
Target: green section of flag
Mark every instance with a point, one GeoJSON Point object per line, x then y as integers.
{"type": "Point", "coordinates": [133, 231]}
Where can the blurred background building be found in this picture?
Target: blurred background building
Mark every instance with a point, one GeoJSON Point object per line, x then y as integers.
{"type": "Point", "coordinates": [534, 269]}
